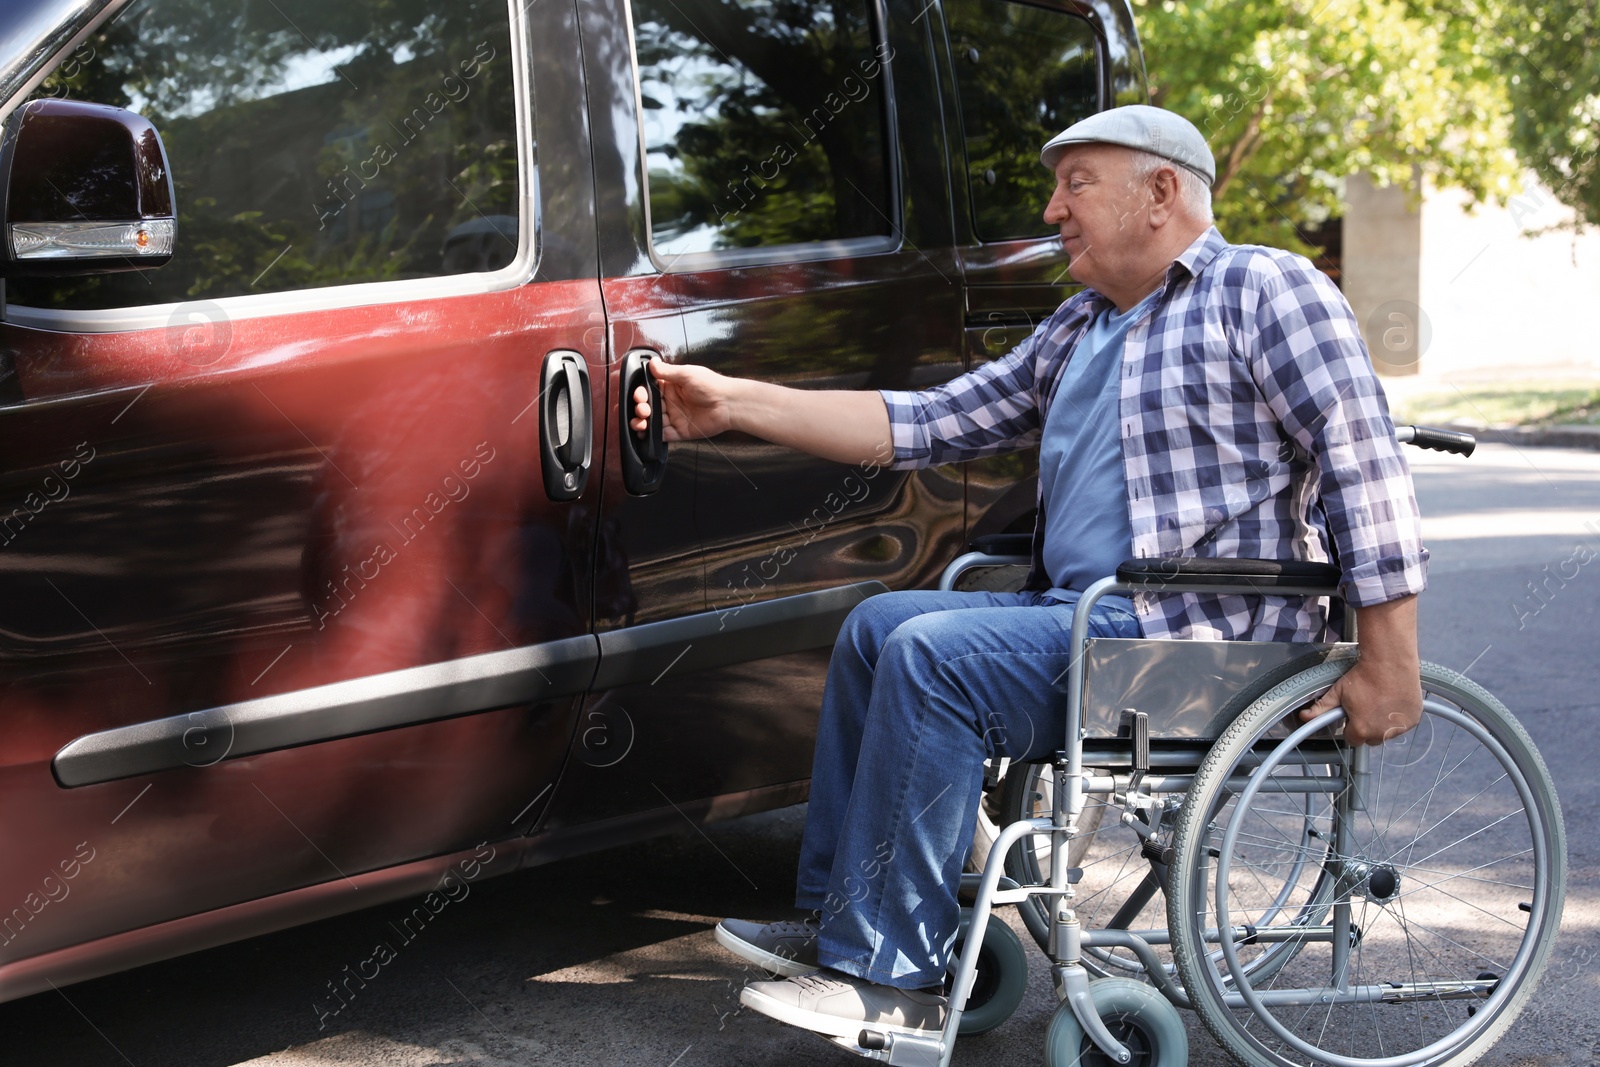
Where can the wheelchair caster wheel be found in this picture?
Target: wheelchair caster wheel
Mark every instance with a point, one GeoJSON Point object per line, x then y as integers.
{"type": "Point", "coordinates": [1136, 1015]}
{"type": "Point", "coordinates": [1002, 976]}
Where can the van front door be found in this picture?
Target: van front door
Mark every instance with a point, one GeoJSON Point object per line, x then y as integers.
{"type": "Point", "coordinates": [296, 485]}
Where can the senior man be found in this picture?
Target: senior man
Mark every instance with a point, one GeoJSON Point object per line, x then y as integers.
{"type": "Point", "coordinates": [1196, 399]}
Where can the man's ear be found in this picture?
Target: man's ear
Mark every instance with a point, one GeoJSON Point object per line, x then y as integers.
{"type": "Point", "coordinates": [1163, 192]}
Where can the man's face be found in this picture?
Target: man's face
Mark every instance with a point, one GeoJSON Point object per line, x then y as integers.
{"type": "Point", "coordinates": [1100, 211]}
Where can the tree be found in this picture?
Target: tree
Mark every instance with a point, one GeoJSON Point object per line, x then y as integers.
{"type": "Point", "coordinates": [760, 121]}
{"type": "Point", "coordinates": [1294, 95]}
{"type": "Point", "coordinates": [1550, 50]}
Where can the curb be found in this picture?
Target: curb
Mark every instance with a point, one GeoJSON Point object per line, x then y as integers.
{"type": "Point", "coordinates": [1584, 437]}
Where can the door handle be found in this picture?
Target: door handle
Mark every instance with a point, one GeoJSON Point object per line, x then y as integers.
{"type": "Point", "coordinates": [566, 444]}
{"type": "Point", "coordinates": [644, 455]}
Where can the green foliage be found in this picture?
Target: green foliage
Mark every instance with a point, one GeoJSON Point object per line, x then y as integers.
{"type": "Point", "coordinates": [1550, 51]}
{"type": "Point", "coordinates": [1023, 74]}
{"type": "Point", "coordinates": [1294, 95]}
{"type": "Point", "coordinates": [761, 122]}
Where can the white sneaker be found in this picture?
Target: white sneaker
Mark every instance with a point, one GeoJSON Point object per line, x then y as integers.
{"type": "Point", "coordinates": [782, 948]}
{"type": "Point", "coordinates": [839, 1005]}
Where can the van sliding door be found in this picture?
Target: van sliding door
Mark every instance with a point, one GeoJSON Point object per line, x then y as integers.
{"type": "Point", "coordinates": [779, 211]}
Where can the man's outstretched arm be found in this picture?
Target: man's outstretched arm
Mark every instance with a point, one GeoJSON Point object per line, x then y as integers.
{"type": "Point", "coordinates": [846, 426]}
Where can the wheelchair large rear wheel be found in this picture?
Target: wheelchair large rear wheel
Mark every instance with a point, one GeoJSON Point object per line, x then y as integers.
{"type": "Point", "coordinates": [1447, 857]}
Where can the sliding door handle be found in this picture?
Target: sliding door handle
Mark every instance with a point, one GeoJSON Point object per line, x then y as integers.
{"type": "Point", "coordinates": [566, 442]}
{"type": "Point", "coordinates": [644, 454]}
{"type": "Point", "coordinates": [575, 452]}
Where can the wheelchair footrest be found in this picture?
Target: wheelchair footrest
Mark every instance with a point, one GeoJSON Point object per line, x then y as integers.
{"type": "Point", "coordinates": [902, 1050]}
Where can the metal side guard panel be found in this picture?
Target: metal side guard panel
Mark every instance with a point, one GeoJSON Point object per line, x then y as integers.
{"type": "Point", "coordinates": [416, 695]}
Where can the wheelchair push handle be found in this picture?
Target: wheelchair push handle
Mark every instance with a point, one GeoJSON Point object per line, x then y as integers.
{"type": "Point", "coordinates": [1438, 440]}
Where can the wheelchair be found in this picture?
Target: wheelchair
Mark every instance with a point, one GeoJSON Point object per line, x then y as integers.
{"type": "Point", "coordinates": [1195, 845]}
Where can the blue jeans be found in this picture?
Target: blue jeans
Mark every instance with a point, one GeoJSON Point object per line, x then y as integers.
{"type": "Point", "coordinates": [922, 688]}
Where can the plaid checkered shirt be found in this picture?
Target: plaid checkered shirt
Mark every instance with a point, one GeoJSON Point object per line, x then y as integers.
{"type": "Point", "coordinates": [1252, 425]}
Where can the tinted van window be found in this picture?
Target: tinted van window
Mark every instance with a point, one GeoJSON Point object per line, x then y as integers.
{"type": "Point", "coordinates": [764, 122]}
{"type": "Point", "coordinates": [1023, 74]}
{"type": "Point", "coordinates": [312, 143]}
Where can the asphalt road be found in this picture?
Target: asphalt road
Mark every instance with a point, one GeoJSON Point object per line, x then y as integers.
{"type": "Point", "coordinates": [609, 959]}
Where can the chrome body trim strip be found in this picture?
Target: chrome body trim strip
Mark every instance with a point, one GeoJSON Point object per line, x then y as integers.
{"type": "Point", "coordinates": [407, 697]}
{"type": "Point", "coordinates": [527, 675]}
{"type": "Point", "coordinates": [738, 634]}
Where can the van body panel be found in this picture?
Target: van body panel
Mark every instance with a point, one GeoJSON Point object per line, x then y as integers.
{"type": "Point", "coordinates": [249, 504]}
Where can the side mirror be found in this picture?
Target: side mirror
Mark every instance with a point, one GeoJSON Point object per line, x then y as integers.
{"type": "Point", "coordinates": [84, 189]}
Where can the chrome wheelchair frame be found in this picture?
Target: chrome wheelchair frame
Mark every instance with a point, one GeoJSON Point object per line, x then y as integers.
{"type": "Point", "coordinates": [1345, 881]}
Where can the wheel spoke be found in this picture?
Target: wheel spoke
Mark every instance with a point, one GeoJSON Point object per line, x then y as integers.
{"type": "Point", "coordinates": [1487, 863]}
{"type": "Point", "coordinates": [1468, 903]}
{"type": "Point", "coordinates": [1468, 837]}
{"type": "Point", "coordinates": [1441, 822]}
{"type": "Point", "coordinates": [1427, 796]}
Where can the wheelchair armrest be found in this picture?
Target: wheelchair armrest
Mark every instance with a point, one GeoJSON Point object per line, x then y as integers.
{"type": "Point", "coordinates": [989, 551]}
{"type": "Point", "coordinates": [1252, 575]}
{"type": "Point", "coordinates": [1003, 544]}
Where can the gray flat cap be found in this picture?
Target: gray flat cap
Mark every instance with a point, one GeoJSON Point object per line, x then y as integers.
{"type": "Point", "coordinates": [1149, 129]}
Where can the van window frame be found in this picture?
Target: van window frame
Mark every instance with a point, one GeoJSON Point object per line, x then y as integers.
{"type": "Point", "coordinates": [519, 271]}
{"type": "Point", "coordinates": [799, 252]}
{"type": "Point", "coordinates": [1103, 94]}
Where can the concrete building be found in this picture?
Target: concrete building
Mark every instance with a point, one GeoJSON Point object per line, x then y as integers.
{"type": "Point", "coordinates": [1444, 291]}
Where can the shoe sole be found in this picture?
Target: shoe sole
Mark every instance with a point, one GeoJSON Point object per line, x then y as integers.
{"type": "Point", "coordinates": [819, 1022]}
{"type": "Point", "coordinates": [771, 962]}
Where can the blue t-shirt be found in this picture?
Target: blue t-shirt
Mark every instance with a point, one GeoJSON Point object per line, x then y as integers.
{"type": "Point", "coordinates": [1087, 533]}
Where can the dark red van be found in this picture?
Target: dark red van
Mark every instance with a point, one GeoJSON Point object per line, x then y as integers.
{"type": "Point", "coordinates": [325, 556]}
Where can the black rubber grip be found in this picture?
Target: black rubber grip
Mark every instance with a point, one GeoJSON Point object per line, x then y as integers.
{"type": "Point", "coordinates": [1252, 575]}
{"type": "Point", "coordinates": [1454, 441]}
